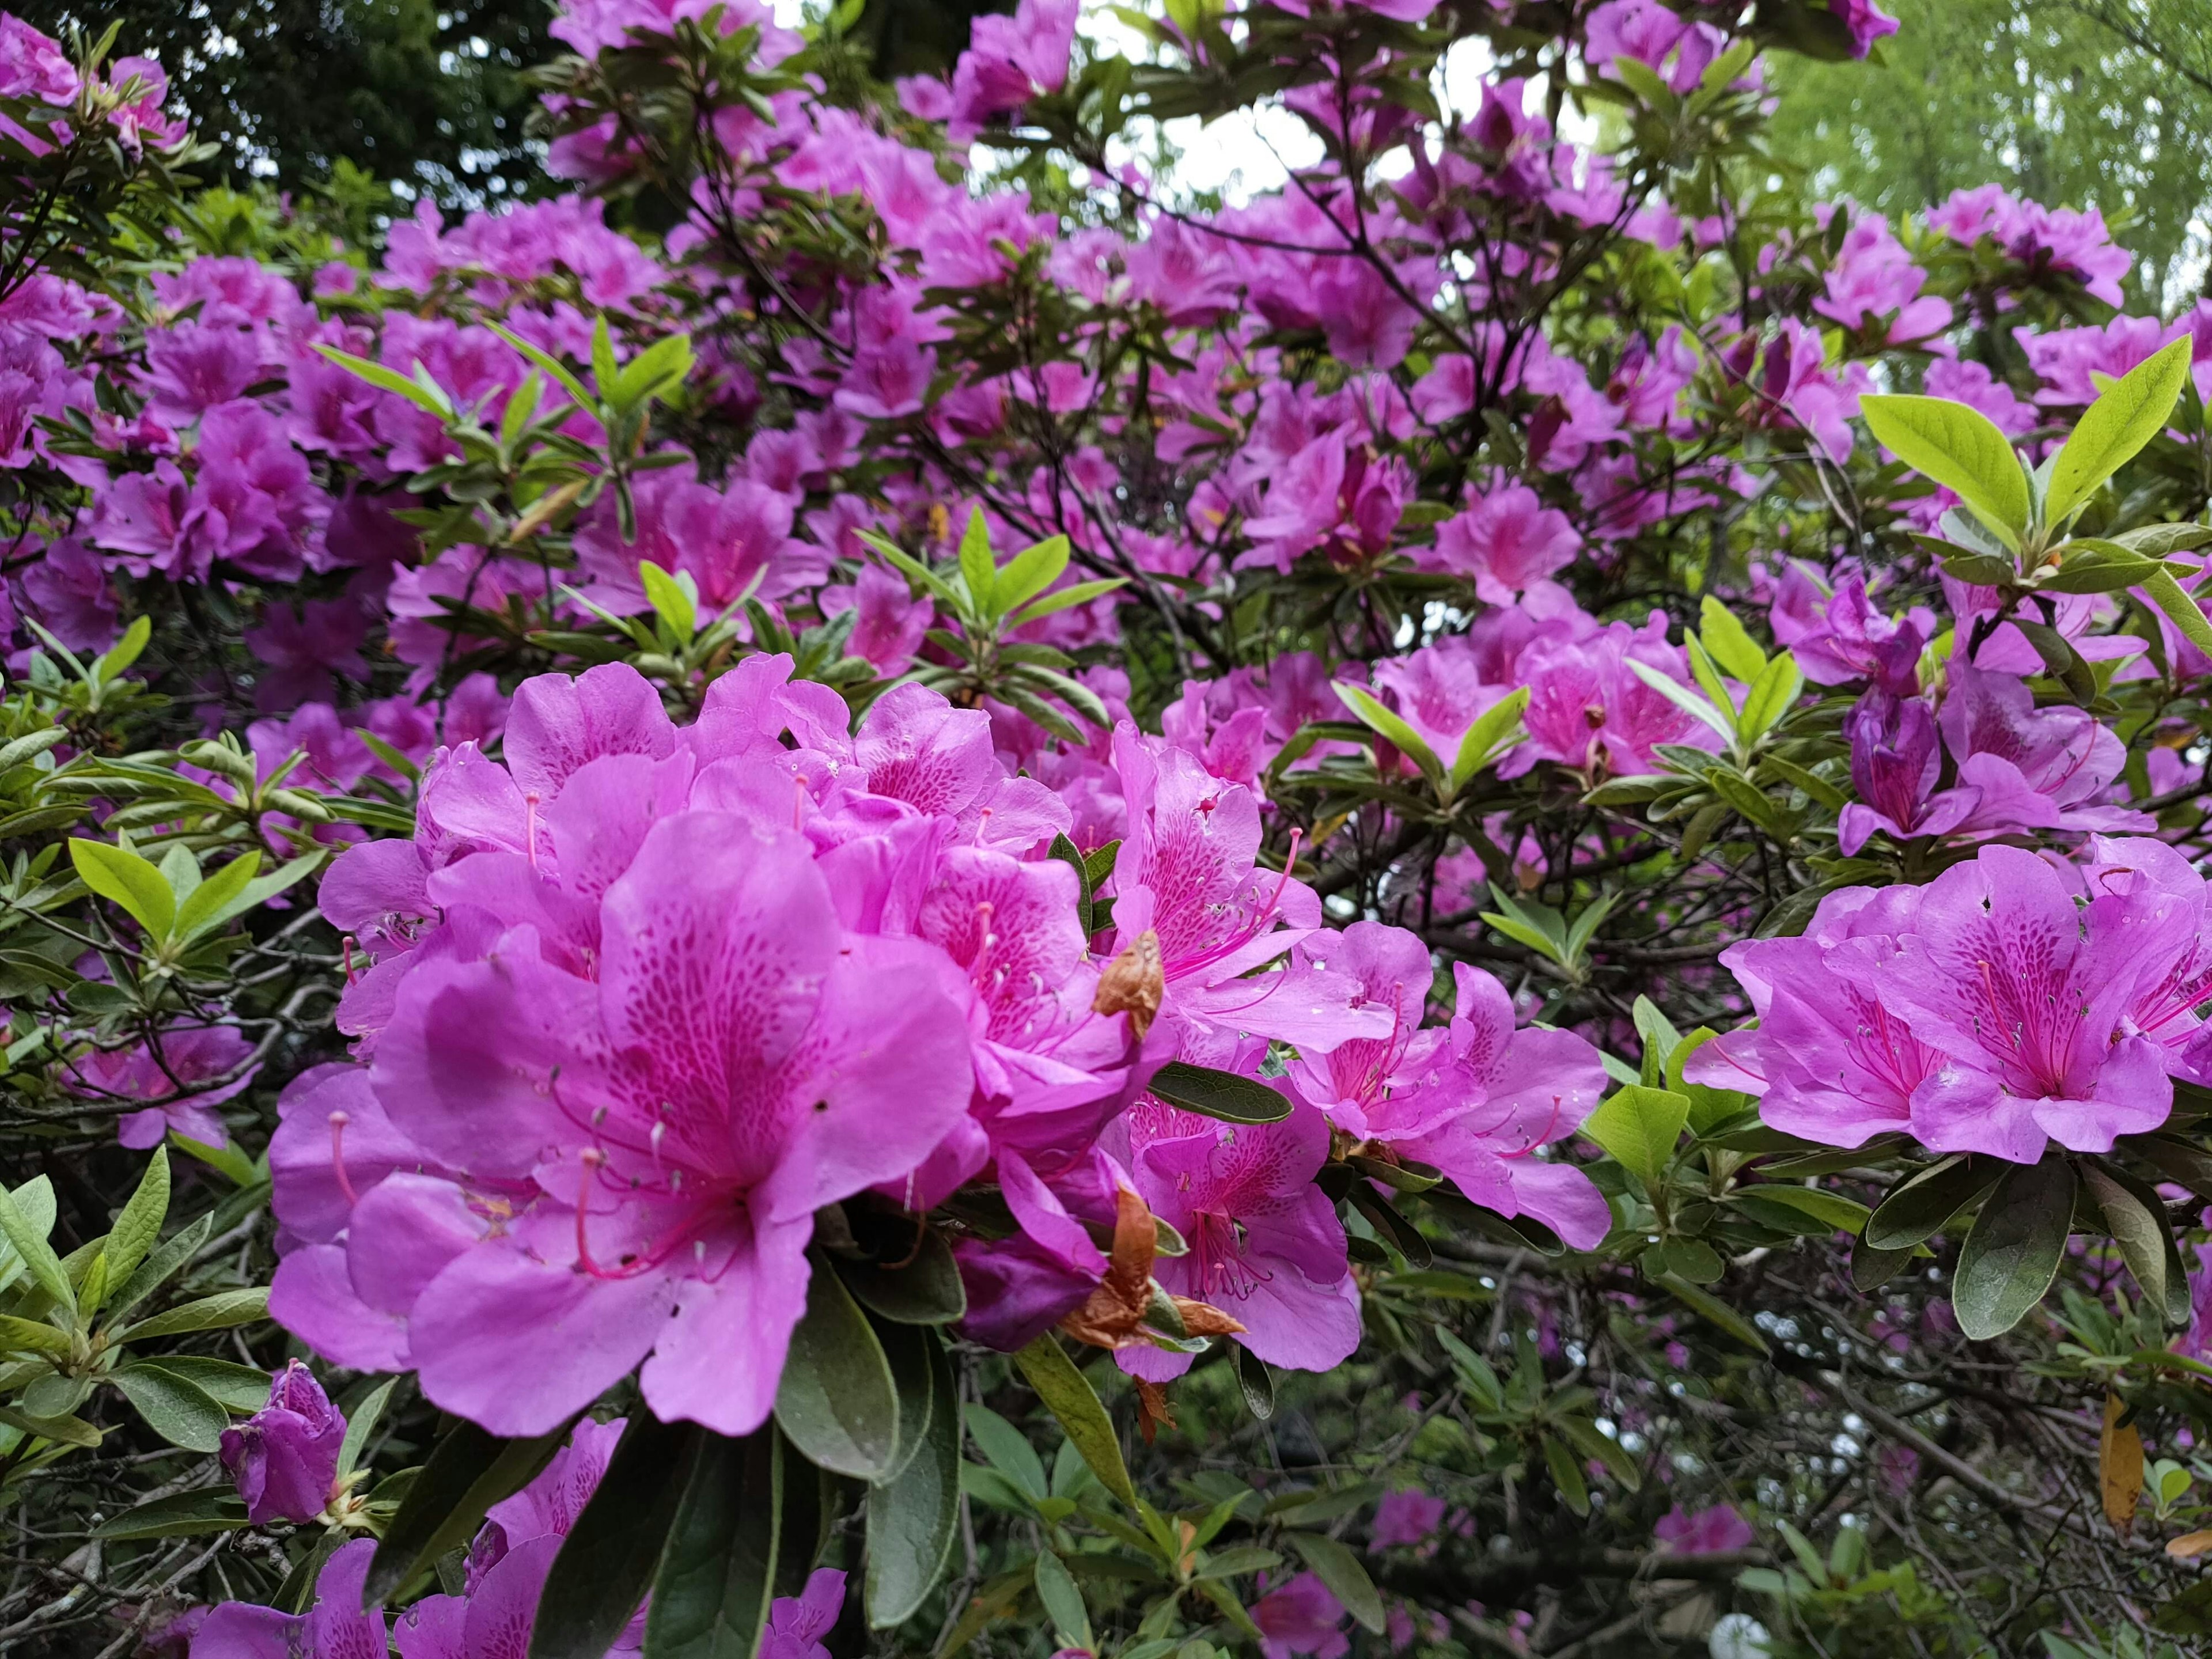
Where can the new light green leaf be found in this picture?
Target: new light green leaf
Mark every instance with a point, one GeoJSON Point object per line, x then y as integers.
{"type": "Point", "coordinates": [2133, 411]}
{"type": "Point", "coordinates": [1497, 730]}
{"type": "Point", "coordinates": [120, 874]}
{"type": "Point", "coordinates": [1380, 720]}
{"type": "Point", "coordinates": [1639, 1126]}
{"type": "Point", "coordinates": [1961, 449]}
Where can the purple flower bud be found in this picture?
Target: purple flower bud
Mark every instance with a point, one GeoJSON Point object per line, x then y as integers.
{"type": "Point", "coordinates": [285, 1457]}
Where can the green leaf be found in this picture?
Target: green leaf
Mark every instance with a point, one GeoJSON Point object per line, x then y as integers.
{"type": "Point", "coordinates": [837, 1401]}
{"type": "Point", "coordinates": [181, 1413]}
{"type": "Point", "coordinates": [1497, 730]}
{"type": "Point", "coordinates": [1069, 1396]}
{"type": "Point", "coordinates": [666, 363]}
{"type": "Point", "coordinates": [926, 1290]}
{"type": "Point", "coordinates": [391, 379]}
{"type": "Point", "coordinates": [212, 902]}
{"type": "Point", "coordinates": [236, 1388]}
{"type": "Point", "coordinates": [1639, 1126]}
{"type": "Point", "coordinates": [2089, 565]}
{"type": "Point", "coordinates": [912, 1520]}
{"type": "Point", "coordinates": [1337, 1567]}
{"type": "Point", "coordinates": [1961, 449]}
{"type": "Point", "coordinates": [1567, 1475]}
{"type": "Point", "coordinates": [1378, 719]}
{"type": "Point", "coordinates": [1832, 1210]}
{"type": "Point", "coordinates": [2137, 1220]}
{"type": "Point", "coordinates": [1254, 1381]}
{"type": "Point", "coordinates": [2185, 613]}
{"type": "Point", "coordinates": [1028, 572]}
{"type": "Point", "coordinates": [120, 874]}
{"type": "Point", "coordinates": [976, 570]}
{"type": "Point", "coordinates": [182, 1515]}
{"type": "Point", "coordinates": [2133, 409]}
{"type": "Point", "coordinates": [603, 371]}
{"type": "Point", "coordinates": [605, 1564]}
{"type": "Point", "coordinates": [1008, 1449]}
{"type": "Point", "coordinates": [1914, 1210]}
{"type": "Point", "coordinates": [2014, 1251]}
{"type": "Point", "coordinates": [670, 602]}
{"type": "Point", "coordinates": [31, 1336]}
{"type": "Point", "coordinates": [165, 1261]}
{"type": "Point", "coordinates": [218, 1312]}
{"type": "Point", "coordinates": [1065, 598]}
{"type": "Point", "coordinates": [29, 1240]}
{"type": "Point", "coordinates": [1772, 696]}
{"type": "Point", "coordinates": [1731, 645]}
{"type": "Point", "coordinates": [553, 366]}
{"type": "Point", "coordinates": [1593, 1442]}
{"type": "Point", "coordinates": [717, 1573]}
{"type": "Point", "coordinates": [1063, 1602]}
{"type": "Point", "coordinates": [1684, 699]}
{"type": "Point", "coordinates": [360, 1423]}
{"type": "Point", "coordinates": [125, 650]}
{"type": "Point", "coordinates": [1713, 1311]}
{"type": "Point", "coordinates": [468, 1471]}
{"type": "Point", "coordinates": [1224, 1094]}
{"type": "Point", "coordinates": [140, 1224]}
{"type": "Point", "coordinates": [61, 1430]}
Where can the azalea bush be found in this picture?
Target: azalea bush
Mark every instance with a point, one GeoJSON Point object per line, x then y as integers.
{"type": "Point", "coordinates": [887, 889]}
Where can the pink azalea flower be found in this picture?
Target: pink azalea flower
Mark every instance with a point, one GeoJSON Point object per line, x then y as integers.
{"type": "Point", "coordinates": [1718, 1530]}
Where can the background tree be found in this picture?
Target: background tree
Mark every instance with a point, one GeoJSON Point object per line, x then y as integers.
{"type": "Point", "coordinates": [428, 92]}
{"type": "Point", "coordinates": [2081, 102]}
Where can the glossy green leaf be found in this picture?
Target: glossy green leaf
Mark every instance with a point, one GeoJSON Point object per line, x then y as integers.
{"type": "Point", "coordinates": [716, 1577]}
{"type": "Point", "coordinates": [1225, 1095]}
{"type": "Point", "coordinates": [926, 1290]}
{"type": "Point", "coordinates": [120, 874]}
{"type": "Point", "coordinates": [838, 1399]}
{"type": "Point", "coordinates": [468, 1471]}
{"type": "Point", "coordinates": [912, 1520]}
{"type": "Point", "coordinates": [1961, 449]}
{"type": "Point", "coordinates": [1639, 1126]}
{"type": "Point", "coordinates": [1069, 1396]}
{"type": "Point", "coordinates": [181, 1515]}
{"type": "Point", "coordinates": [1917, 1210]}
{"type": "Point", "coordinates": [2013, 1250]}
{"type": "Point", "coordinates": [2128, 413]}
{"type": "Point", "coordinates": [211, 1313]}
{"type": "Point", "coordinates": [1379, 719]}
{"type": "Point", "coordinates": [606, 1562]}
{"type": "Point", "coordinates": [1495, 731]}
{"type": "Point", "coordinates": [1730, 644]}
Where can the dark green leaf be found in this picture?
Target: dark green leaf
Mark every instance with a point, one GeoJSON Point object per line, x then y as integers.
{"type": "Point", "coordinates": [911, 1520]}
{"type": "Point", "coordinates": [1917, 1210]}
{"type": "Point", "coordinates": [183, 1515]}
{"type": "Point", "coordinates": [1225, 1095]}
{"type": "Point", "coordinates": [2014, 1251]}
{"type": "Point", "coordinates": [837, 1401]}
{"type": "Point", "coordinates": [1070, 1397]}
{"type": "Point", "coordinates": [468, 1471]}
{"type": "Point", "coordinates": [180, 1411]}
{"type": "Point", "coordinates": [926, 1290]}
{"type": "Point", "coordinates": [717, 1572]}
{"type": "Point", "coordinates": [606, 1562]}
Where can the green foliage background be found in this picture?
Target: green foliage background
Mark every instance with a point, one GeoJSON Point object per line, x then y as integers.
{"type": "Point", "coordinates": [2074, 103]}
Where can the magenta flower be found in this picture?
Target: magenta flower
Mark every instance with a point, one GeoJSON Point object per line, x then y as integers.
{"type": "Point", "coordinates": [1495, 1096]}
{"type": "Point", "coordinates": [1718, 1530]}
{"type": "Point", "coordinates": [335, 1627]}
{"type": "Point", "coordinates": [1508, 541]}
{"type": "Point", "coordinates": [1187, 871]}
{"type": "Point", "coordinates": [1827, 1061]}
{"type": "Point", "coordinates": [1266, 1245]}
{"type": "Point", "coordinates": [797, 1624]}
{"type": "Point", "coordinates": [285, 1457]}
{"type": "Point", "coordinates": [1300, 1616]}
{"type": "Point", "coordinates": [739, 1062]}
{"type": "Point", "coordinates": [1405, 1518]}
{"type": "Point", "coordinates": [180, 1072]}
{"type": "Point", "coordinates": [2029, 997]}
